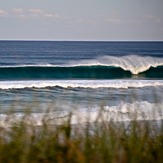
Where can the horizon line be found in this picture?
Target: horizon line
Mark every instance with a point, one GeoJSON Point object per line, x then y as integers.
{"type": "Point", "coordinates": [73, 40]}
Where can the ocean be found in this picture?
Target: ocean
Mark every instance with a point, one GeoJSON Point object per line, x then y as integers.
{"type": "Point", "coordinates": [121, 78]}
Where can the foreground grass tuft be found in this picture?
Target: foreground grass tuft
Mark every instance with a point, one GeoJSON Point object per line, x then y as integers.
{"type": "Point", "coordinates": [90, 142]}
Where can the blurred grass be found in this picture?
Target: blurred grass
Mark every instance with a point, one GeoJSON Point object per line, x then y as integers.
{"type": "Point", "coordinates": [104, 142]}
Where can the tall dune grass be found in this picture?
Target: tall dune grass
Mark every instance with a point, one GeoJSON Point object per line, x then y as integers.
{"type": "Point", "coordinates": [135, 141]}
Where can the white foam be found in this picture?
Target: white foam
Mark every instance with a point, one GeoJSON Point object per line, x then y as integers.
{"type": "Point", "coordinates": [29, 65]}
{"type": "Point", "coordinates": [80, 83]}
{"type": "Point", "coordinates": [123, 112]}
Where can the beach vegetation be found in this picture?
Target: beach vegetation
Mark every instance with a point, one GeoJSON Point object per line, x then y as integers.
{"type": "Point", "coordinates": [102, 142]}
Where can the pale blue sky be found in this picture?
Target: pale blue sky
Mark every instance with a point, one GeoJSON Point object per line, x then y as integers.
{"type": "Point", "coordinates": [81, 19]}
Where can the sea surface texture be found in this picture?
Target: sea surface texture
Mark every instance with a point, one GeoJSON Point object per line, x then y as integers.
{"type": "Point", "coordinates": [121, 78]}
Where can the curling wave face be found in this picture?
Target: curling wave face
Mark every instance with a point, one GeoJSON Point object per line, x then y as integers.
{"type": "Point", "coordinates": [133, 63]}
{"type": "Point", "coordinates": [136, 64]}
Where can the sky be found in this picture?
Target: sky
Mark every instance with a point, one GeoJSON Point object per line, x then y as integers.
{"type": "Point", "coordinates": [103, 20]}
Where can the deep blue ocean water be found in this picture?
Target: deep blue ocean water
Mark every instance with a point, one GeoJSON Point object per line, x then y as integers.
{"type": "Point", "coordinates": [121, 77]}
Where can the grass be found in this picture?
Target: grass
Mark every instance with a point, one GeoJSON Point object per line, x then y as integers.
{"type": "Point", "coordinates": [104, 142]}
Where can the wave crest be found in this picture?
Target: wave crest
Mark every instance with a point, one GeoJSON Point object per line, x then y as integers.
{"type": "Point", "coordinates": [133, 63]}
{"type": "Point", "coordinates": [80, 84]}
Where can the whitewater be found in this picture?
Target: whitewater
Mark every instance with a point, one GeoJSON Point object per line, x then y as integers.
{"type": "Point", "coordinates": [122, 113]}
{"type": "Point", "coordinates": [81, 84]}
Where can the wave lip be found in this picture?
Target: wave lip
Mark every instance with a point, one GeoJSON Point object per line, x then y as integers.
{"type": "Point", "coordinates": [136, 64]}
{"type": "Point", "coordinates": [133, 63]}
{"type": "Point", "coordinates": [80, 84]}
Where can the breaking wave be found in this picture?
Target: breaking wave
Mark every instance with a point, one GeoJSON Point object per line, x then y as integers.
{"type": "Point", "coordinates": [107, 67]}
{"type": "Point", "coordinates": [133, 63]}
{"type": "Point", "coordinates": [80, 84]}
